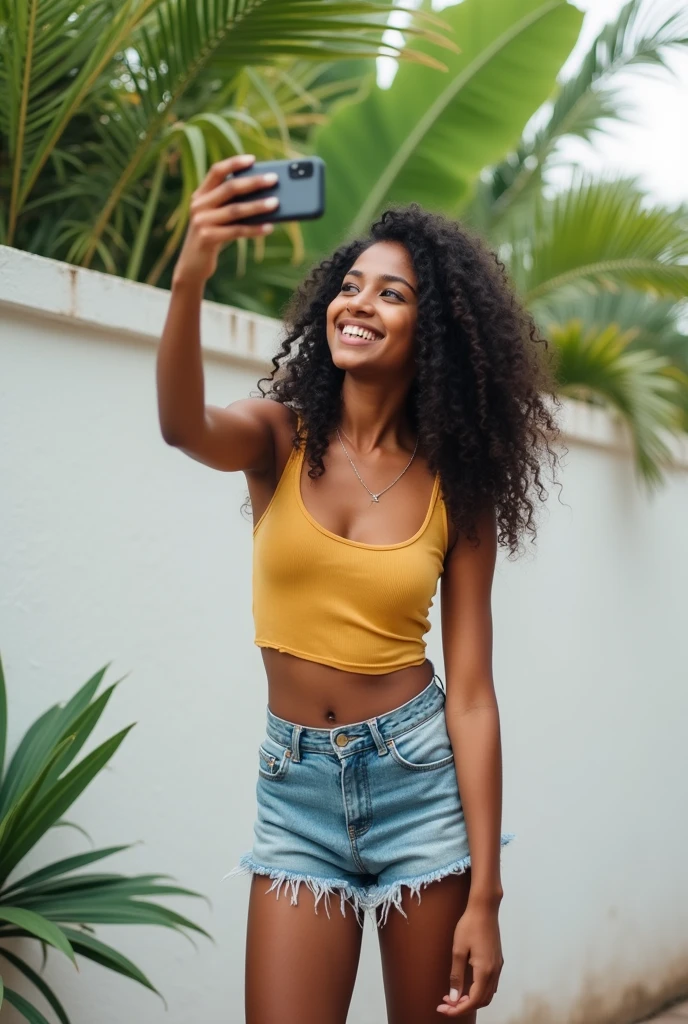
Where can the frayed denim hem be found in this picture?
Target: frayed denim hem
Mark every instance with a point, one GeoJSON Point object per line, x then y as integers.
{"type": "Point", "coordinates": [377, 900]}
{"type": "Point", "coordinates": [322, 888]}
{"type": "Point", "coordinates": [380, 898]}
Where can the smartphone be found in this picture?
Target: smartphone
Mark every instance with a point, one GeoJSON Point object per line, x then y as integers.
{"type": "Point", "coordinates": [300, 188]}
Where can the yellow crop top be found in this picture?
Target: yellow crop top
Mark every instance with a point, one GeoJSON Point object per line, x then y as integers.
{"type": "Point", "coordinates": [353, 606]}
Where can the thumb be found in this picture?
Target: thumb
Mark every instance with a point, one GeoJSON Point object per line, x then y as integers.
{"type": "Point", "coordinates": [458, 974]}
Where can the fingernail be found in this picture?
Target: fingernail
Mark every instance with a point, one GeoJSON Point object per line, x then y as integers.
{"type": "Point", "coordinates": [266, 228]}
{"type": "Point", "coordinates": [272, 202]}
{"type": "Point", "coordinates": [270, 179]}
{"type": "Point", "coordinates": [453, 994]}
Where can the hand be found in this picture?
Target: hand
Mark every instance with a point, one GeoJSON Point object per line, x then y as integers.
{"type": "Point", "coordinates": [476, 942]}
{"type": "Point", "coordinates": [212, 221]}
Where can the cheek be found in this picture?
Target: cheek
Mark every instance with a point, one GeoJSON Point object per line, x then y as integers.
{"type": "Point", "coordinates": [403, 325]}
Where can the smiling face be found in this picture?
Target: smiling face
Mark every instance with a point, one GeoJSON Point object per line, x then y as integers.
{"type": "Point", "coordinates": [372, 321]}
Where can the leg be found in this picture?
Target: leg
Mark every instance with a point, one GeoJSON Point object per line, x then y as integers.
{"type": "Point", "coordinates": [300, 966]}
{"type": "Point", "coordinates": [417, 951]}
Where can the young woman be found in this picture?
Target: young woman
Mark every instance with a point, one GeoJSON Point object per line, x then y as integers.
{"type": "Point", "coordinates": [402, 431]}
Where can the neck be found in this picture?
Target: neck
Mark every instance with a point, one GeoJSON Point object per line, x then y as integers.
{"type": "Point", "coordinates": [375, 417]}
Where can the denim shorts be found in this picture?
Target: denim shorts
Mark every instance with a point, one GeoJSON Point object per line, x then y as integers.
{"type": "Point", "coordinates": [361, 810]}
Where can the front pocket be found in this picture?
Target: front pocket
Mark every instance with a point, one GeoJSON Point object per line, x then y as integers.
{"type": "Point", "coordinates": [424, 748]}
{"type": "Point", "coordinates": [273, 763]}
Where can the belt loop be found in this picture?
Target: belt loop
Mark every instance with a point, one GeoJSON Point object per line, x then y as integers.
{"type": "Point", "coordinates": [295, 747]}
{"type": "Point", "coordinates": [377, 736]}
{"type": "Point", "coordinates": [443, 687]}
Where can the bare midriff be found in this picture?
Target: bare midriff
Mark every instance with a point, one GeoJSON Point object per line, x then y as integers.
{"type": "Point", "coordinates": [323, 697]}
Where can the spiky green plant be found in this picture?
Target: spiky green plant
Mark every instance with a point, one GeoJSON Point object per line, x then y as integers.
{"type": "Point", "coordinates": [58, 904]}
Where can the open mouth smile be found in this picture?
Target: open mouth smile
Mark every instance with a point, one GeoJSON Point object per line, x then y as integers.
{"type": "Point", "coordinates": [353, 334]}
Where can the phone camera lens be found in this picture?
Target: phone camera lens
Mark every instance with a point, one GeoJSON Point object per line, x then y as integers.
{"type": "Point", "coordinates": [302, 169]}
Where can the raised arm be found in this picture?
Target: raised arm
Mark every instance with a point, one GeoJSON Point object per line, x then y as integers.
{"type": "Point", "coordinates": [239, 436]}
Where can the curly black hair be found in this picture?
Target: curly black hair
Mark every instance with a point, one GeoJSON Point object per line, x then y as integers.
{"type": "Point", "coordinates": [478, 400]}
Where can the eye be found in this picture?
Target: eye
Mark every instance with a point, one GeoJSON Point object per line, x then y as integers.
{"type": "Point", "coordinates": [348, 284]}
{"type": "Point", "coordinates": [390, 291]}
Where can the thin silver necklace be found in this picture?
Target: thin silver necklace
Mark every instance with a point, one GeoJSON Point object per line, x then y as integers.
{"type": "Point", "coordinates": [375, 497]}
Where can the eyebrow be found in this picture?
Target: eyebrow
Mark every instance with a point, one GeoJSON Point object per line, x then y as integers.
{"type": "Point", "coordinates": [384, 277]}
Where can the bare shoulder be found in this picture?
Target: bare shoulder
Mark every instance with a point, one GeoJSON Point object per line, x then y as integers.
{"type": "Point", "coordinates": [264, 412]}
{"type": "Point", "coordinates": [275, 421]}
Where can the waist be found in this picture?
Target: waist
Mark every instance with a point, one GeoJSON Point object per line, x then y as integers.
{"type": "Point", "coordinates": [321, 696]}
{"type": "Point", "coordinates": [352, 737]}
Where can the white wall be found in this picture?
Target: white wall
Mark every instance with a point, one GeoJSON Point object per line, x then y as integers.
{"type": "Point", "coordinates": [116, 547]}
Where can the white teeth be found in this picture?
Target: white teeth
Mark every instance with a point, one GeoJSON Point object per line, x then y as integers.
{"type": "Point", "coordinates": [358, 332]}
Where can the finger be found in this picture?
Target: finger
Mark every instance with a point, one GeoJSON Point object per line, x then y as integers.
{"type": "Point", "coordinates": [476, 996]}
{"type": "Point", "coordinates": [226, 191]}
{"type": "Point", "coordinates": [219, 171]}
{"type": "Point", "coordinates": [456, 979]}
{"type": "Point", "coordinates": [239, 211]}
{"type": "Point", "coordinates": [219, 236]}
{"type": "Point", "coordinates": [228, 234]}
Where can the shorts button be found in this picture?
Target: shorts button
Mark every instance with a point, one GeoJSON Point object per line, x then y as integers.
{"type": "Point", "coordinates": [341, 740]}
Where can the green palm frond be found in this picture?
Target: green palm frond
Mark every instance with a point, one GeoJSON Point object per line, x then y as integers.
{"type": "Point", "coordinates": [167, 54]}
{"type": "Point", "coordinates": [599, 235]}
{"type": "Point", "coordinates": [52, 54]}
{"type": "Point", "coordinates": [641, 36]}
{"type": "Point", "coordinates": [63, 68]}
{"type": "Point", "coordinates": [640, 387]}
{"type": "Point", "coordinates": [649, 322]}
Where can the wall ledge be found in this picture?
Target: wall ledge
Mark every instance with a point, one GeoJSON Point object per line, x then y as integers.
{"type": "Point", "coordinates": [50, 289]}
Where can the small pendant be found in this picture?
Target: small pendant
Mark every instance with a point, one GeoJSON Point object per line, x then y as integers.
{"type": "Point", "coordinates": [375, 497]}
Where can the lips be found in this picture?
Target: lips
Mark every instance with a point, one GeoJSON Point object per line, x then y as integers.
{"type": "Point", "coordinates": [368, 334]}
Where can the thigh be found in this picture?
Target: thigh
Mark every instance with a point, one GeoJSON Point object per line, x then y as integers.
{"type": "Point", "coordinates": [417, 951]}
{"type": "Point", "coordinates": [300, 966]}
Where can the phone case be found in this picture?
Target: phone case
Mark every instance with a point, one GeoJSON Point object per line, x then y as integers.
{"type": "Point", "coordinates": [300, 198]}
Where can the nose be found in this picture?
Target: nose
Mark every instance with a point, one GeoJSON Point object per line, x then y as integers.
{"type": "Point", "coordinates": [361, 302]}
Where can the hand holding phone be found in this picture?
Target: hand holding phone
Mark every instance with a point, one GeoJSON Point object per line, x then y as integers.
{"type": "Point", "coordinates": [299, 188]}
{"type": "Point", "coordinates": [217, 208]}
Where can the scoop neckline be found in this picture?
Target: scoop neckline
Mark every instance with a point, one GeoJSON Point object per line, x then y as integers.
{"type": "Point", "coordinates": [358, 543]}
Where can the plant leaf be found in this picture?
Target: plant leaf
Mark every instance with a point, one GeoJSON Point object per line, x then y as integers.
{"type": "Point", "coordinates": [100, 953]}
{"type": "Point", "coordinates": [56, 801]}
{"type": "Point", "coordinates": [240, 34]}
{"type": "Point", "coordinates": [599, 234]}
{"type": "Point", "coordinates": [626, 43]}
{"type": "Point", "coordinates": [80, 728]}
{"type": "Point", "coordinates": [24, 1007]}
{"type": "Point", "coordinates": [11, 822]}
{"type": "Point", "coordinates": [427, 137]}
{"type": "Point", "coordinates": [39, 983]}
{"type": "Point", "coordinates": [62, 867]}
{"type": "Point", "coordinates": [38, 926]}
{"type": "Point", "coordinates": [632, 384]}
{"type": "Point", "coordinates": [95, 908]}
{"type": "Point", "coordinates": [70, 824]}
{"type": "Point", "coordinates": [37, 742]}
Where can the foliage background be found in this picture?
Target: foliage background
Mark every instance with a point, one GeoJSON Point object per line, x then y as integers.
{"type": "Point", "coordinates": [110, 114]}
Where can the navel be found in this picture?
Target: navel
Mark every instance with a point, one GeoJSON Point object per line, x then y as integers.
{"type": "Point", "coordinates": [330, 716]}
